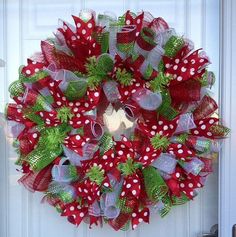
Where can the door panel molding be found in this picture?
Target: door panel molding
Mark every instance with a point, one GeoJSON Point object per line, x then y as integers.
{"type": "Point", "coordinates": [32, 222]}
{"type": "Point", "coordinates": [227, 177]}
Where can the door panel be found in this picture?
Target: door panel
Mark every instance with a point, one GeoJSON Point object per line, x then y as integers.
{"type": "Point", "coordinates": [23, 24]}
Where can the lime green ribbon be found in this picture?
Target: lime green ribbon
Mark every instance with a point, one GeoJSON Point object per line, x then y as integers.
{"type": "Point", "coordinates": [48, 148]}
{"type": "Point", "coordinates": [41, 74]}
{"type": "Point", "coordinates": [106, 143]}
{"type": "Point", "coordinates": [167, 204]}
{"type": "Point", "coordinates": [73, 173]}
{"type": "Point", "coordinates": [103, 39]}
{"type": "Point", "coordinates": [181, 138]}
{"type": "Point", "coordinates": [148, 72]}
{"type": "Point", "coordinates": [155, 186]}
{"type": "Point", "coordinates": [173, 46]}
{"type": "Point", "coordinates": [29, 113]}
{"type": "Point", "coordinates": [40, 105]}
{"type": "Point", "coordinates": [76, 89]}
{"type": "Point", "coordinates": [179, 200]}
{"type": "Point", "coordinates": [166, 110]}
{"type": "Point", "coordinates": [208, 79]}
{"type": "Point", "coordinates": [219, 130]}
{"type": "Point", "coordinates": [126, 47]}
{"type": "Point", "coordinates": [161, 66]}
{"type": "Point", "coordinates": [150, 37]}
{"type": "Point", "coordinates": [159, 83]}
{"type": "Point", "coordinates": [16, 88]}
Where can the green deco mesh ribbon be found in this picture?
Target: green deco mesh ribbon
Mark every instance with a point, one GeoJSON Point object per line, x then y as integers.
{"type": "Point", "coordinates": [40, 104]}
{"type": "Point", "coordinates": [148, 72]}
{"type": "Point", "coordinates": [16, 88]}
{"type": "Point", "coordinates": [76, 90]}
{"type": "Point", "coordinates": [172, 46]}
{"type": "Point", "coordinates": [166, 110]}
{"type": "Point", "coordinates": [220, 130]}
{"type": "Point", "coordinates": [125, 48]}
{"type": "Point", "coordinates": [103, 40]}
{"type": "Point", "coordinates": [179, 200]}
{"type": "Point", "coordinates": [148, 36]}
{"type": "Point", "coordinates": [36, 77]}
{"type": "Point", "coordinates": [159, 83]}
{"type": "Point", "coordinates": [106, 143]}
{"type": "Point", "coordinates": [73, 173]}
{"type": "Point", "coordinates": [166, 206]}
{"type": "Point", "coordinates": [179, 139]}
{"type": "Point", "coordinates": [30, 114]}
{"type": "Point", "coordinates": [155, 186]}
{"type": "Point", "coordinates": [49, 147]}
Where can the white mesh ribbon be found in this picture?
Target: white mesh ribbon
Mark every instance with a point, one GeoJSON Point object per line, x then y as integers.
{"type": "Point", "coordinates": [61, 172]}
{"type": "Point", "coordinates": [147, 99]}
{"type": "Point", "coordinates": [111, 91]}
{"type": "Point", "coordinates": [166, 163]}
{"type": "Point", "coordinates": [65, 76]}
{"type": "Point", "coordinates": [97, 130]}
{"type": "Point", "coordinates": [14, 128]}
{"type": "Point", "coordinates": [94, 209]}
{"type": "Point", "coordinates": [73, 156]}
{"type": "Point", "coordinates": [185, 123]}
{"type": "Point", "coordinates": [194, 166]}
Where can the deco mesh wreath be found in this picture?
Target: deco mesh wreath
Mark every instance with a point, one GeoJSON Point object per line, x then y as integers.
{"type": "Point", "coordinates": [134, 63]}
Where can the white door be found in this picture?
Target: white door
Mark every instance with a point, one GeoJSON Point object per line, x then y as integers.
{"type": "Point", "coordinates": [23, 23]}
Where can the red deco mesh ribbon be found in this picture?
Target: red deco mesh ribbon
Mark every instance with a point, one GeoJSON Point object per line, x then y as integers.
{"type": "Point", "coordinates": [126, 35]}
{"type": "Point", "coordinates": [206, 107]}
{"type": "Point", "coordinates": [146, 39]}
{"type": "Point", "coordinates": [187, 91]}
{"type": "Point", "coordinates": [37, 181]}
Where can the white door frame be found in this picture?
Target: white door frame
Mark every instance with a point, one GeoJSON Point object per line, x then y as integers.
{"type": "Point", "coordinates": [227, 174]}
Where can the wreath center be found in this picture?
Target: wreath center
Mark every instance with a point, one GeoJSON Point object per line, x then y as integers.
{"type": "Point", "coordinates": [116, 122]}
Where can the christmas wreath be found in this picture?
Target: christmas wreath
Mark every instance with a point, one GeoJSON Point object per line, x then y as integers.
{"type": "Point", "coordinates": [67, 148]}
